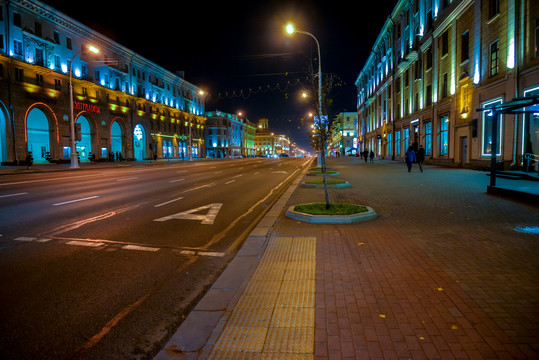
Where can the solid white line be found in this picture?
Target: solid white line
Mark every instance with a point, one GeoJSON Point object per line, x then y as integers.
{"type": "Point", "coordinates": [24, 238]}
{"type": "Point", "coordinates": [168, 202]}
{"type": "Point", "coordinates": [140, 248]}
{"type": "Point", "coordinates": [76, 200]}
{"type": "Point", "coordinates": [126, 179]}
{"type": "Point", "coordinates": [228, 182]}
{"type": "Point", "coordinates": [9, 195]}
{"type": "Point", "coordinates": [85, 243]}
{"type": "Point", "coordinates": [173, 181]}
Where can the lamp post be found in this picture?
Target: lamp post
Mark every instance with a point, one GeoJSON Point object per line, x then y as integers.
{"type": "Point", "coordinates": [74, 158]}
{"type": "Point", "coordinates": [290, 29]}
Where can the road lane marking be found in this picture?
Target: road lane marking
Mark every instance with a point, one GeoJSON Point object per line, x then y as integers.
{"type": "Point", "coordinates": [140, 248]}
{"type": "Point", "coordinates": [181, 171]}
{"type": "Point", "coordinates": [256, 173]}
{"type": "Point", "coordinates": [25, 238]}
{"type": "Point", "coordinates": [229, 182]}
{"type": "Point", "coordinates": [76, 200]}
{"type": "Point", "coordinates": [200, 187]}
{"type": "Point", "coordinates": [173, 181]}
{"type": "Point", "coordinates": [168, 202]}
{"type": "Point", "coordinates": [127, 179]}
{"type": "Point", "coordinates": [10, 195]}
{"type": "Point", "coordinates": [237, 176]}
{"type": "Point", "coordinates": [85, 243]}
{"type": "Point", "coordinates": [217, 172]}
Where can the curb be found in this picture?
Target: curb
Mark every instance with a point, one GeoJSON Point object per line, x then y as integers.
{"type": "Point", "coordinates": [195, 337]}
{"type": "Point", "coordinates": [332, 219]}
{"type": "Point", "coordinates": [327, 174]}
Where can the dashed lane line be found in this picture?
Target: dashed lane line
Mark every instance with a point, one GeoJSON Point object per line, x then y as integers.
{"type": "Point", "coordinates": [76, 200]}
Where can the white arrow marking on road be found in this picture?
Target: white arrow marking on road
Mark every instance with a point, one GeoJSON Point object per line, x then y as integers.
{"type": "Point", "coordinates": [188, 215]}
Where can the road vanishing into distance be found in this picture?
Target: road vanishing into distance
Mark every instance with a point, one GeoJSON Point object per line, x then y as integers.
{"type": "Point", "coordinates": [105, 263]}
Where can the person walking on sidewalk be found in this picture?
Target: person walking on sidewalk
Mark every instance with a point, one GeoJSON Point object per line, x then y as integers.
{"type": "Point", "coordinates": [371, 156]}
{"type": "Point", "coordinates": [420, 157]}
{"type": "Point", "coordinates": [410, 158]}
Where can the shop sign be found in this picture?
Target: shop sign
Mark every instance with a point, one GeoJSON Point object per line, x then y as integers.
{"type": "Point", "coordinates": [86, 107]}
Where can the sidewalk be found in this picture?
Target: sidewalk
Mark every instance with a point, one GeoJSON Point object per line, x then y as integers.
{"type": "Point", "coordinates": [443, 272]}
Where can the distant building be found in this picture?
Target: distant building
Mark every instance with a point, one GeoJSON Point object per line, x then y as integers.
{"type": "Point", "coordinates": [224, 135]}
{"type": "Point", "coordinates": [264, 139]}
{"type": "Point", "coordinates": [344, 134]}
{"type": "Point", "coordinates": [434, 63]}
{"type": "Point", "coordinates": [282, 145]}
{"type": "Point", "coordinates": [123, 103]}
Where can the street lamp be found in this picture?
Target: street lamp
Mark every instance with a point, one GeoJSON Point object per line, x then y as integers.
{"type": "Point", "coordinates": [74, 158]}
{"type": "Point", "coordinates": [201, 93]}
{"type": "Point", "coordinates": [290, 29]}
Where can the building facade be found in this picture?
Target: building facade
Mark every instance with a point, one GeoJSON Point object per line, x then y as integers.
{"type": "Point", "coordinates": [122, 103]}
{"type": "Point", "coordinates": [229, 136]}
{"type": "Point", "coordinates": [264, 139]}
{"type": "Point", "coordinates": [344, 140]}
{"type": "Point", "coordinates": [434, 63]}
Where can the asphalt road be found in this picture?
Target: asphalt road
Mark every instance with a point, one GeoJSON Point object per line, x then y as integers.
{"type": "Point", "coordinates": [105, 263]}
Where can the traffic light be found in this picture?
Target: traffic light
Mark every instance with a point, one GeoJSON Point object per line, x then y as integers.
{"type": "Point", "coordinates": [77, 132]}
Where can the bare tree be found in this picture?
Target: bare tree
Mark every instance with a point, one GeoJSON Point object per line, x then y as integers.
{"type": "Point", "coordinates": [325, 119]}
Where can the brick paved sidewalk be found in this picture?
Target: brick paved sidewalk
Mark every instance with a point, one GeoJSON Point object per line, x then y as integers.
{"type": "Point", "coordinates": [440, 274]}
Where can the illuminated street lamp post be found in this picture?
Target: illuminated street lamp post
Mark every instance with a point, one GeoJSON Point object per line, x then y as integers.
{"type": "Point", "coordinates": [290, 29]}
{"type": "Point", "coordinates": [74, 158]}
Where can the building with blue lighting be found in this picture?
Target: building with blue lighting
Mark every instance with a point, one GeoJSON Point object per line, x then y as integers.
{"type": "Point", "coordinates": [434, 63]}
{"type": "Point", "coordinates": [229, 136]}
{"type": "Point", "coordinates": [122, 102]}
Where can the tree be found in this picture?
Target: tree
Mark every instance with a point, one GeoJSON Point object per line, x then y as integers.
{"type": "Point", "coordinates": [326, 115]}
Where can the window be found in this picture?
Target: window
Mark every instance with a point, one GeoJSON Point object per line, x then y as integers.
{"type": "Point", "coordinates": [57, 84]}
{"type": "Point", "coordinates": [493, 8]}
{"type": "Point", "coordinates": [428, 95]}
{"type": "Point", "coordinates": [486, 138]}
{"type": "Point", "coordinates": [17, 47]}
{"type": "Point", "coordinates": [445, 43]}
{"type": "Point", "coordinates": [17, 20]}
{"type": "Point", "coordinates": [57, 61]}
{"type": "Point", "coordinates": [39, 79]}
{"type": "Point", "coordinates": [57, 37]}
{"type": "Point", "coordinates": [397, 142]}
{"type": "Point", "coordinates": [19, 74]}
{"type": "Point", "coordinates": [465, 46]}
{"type": "Point", "coordinates": [38, 29]}
{"type": "Point", "coordinates": [405, 138]}
{"type": "Point", "coordinates": [69, 45]}
{"type": "Point", "coordinates": [428, 58]}
{"type": "Point", "coordinates": [494, 58]}
{"type": "Point", "coordinates": [428, 138]}
{"type": "Point", "coordinates": [443, 135]}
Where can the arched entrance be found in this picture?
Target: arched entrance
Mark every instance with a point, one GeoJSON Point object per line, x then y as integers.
{"type": "Point", "coordinates": [37, 132]}
{"type": "Point", "coordinates": [139, 137]}
{"type": "Point", "coordinates": [116, 138]}
{"type": "Point", "coordinates": [84, 146]}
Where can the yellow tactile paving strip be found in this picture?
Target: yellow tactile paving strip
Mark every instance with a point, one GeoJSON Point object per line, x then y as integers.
{"type": "Point", "coordinates": [274, 317]}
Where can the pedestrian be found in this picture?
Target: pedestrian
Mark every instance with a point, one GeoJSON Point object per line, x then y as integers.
{"type": "Point", "coordinates": [365, 154]}
{"type": "Point", "coordinates": [420, 157]}
{"type": "Point", "coordinates": [371, 156]}
{"type": "Point", "coordinates": [410, 158]}
{"type": "Point", "coordinates": [29, 160]}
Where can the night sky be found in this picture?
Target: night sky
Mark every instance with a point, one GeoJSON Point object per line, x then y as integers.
{"type": "Point", "coordinates": [230, 47]}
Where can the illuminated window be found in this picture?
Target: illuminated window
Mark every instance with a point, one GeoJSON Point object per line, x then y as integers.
{"type": "Point", "coordinates": [428, 138]}
{"type": "Point", "coordinates": [488, 118]}
{"type": "Point", "coordinates": [443, 130]}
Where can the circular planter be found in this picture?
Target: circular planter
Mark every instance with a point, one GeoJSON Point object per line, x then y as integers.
{"type": "Point", "coordinates": [331, 219]}
{"type": "Point", "coordinates": [344, 184]}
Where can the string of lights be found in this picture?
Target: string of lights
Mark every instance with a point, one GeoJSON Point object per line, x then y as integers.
{"type": "Point", "coordinates": [245, 94]}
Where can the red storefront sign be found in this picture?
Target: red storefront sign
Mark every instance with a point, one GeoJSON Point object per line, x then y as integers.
{"type": "Point", "coordinates": [86, 107]}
